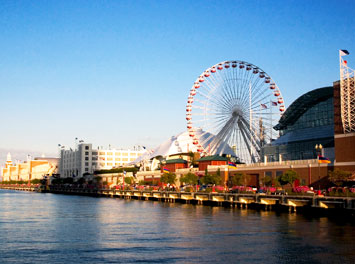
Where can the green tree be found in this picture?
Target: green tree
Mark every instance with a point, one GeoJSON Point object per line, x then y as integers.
{"type": "Point", "coordinates": [338, 177]}
{"type": "Point", "coordinates": [168, 178]}
{"type": "Point", "coordinates": [237, 179]}
{"type": "Point", "coordinates": [189, 178]}
{"type": "Point", "coordinates": [128, 180]}
{"type": "Point", "coordinates": [35, 181]}
{"type": "Point", "coordinates": [288, 177]}
{"type": "Point", "coordinates": [142, 182]}
{"type": "Point", "coordinates": [192, 158]}
{"type": "Point", "coordinates": [211, 179]}
{"type": "Point", "coordinates": [68, 180]}
{"type": "Point", "coordinates": [81, 180]}
{"type": "Point", "coordinates": [267, 181]}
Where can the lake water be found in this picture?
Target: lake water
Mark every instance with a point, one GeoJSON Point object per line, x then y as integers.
{"type": "Point", "coordinates": [50, 228]}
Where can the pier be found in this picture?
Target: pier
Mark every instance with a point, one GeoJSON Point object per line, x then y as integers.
{"type": "Point", "coordinates": [292, 203]}
{"type": "Point", "coordinates": [20, 188]}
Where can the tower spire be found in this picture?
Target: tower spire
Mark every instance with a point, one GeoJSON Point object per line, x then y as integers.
{"type": "Point", "coordinates": [8, 157]}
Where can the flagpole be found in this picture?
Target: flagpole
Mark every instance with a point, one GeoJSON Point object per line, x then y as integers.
{"type": "Point", "coordinates": [270, 121]}
{"type": "Point", "coordinates": [250, 116]}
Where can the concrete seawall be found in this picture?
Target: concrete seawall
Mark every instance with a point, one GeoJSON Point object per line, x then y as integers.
{"type": "Point", "coordinates": [292, 203]}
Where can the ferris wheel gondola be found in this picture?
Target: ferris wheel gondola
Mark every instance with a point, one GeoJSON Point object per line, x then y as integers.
{"type": "Point", "coordinates": [239, 103]}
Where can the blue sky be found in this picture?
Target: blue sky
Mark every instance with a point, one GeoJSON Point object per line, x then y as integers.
{"type": "Point", "coordinates": [119, 72]}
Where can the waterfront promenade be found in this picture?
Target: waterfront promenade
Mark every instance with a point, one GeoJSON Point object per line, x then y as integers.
{"type": "Point", "coordinates": [291, 203]}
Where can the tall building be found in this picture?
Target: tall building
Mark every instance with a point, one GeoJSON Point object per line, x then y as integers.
{"type": "Point", "coordinates": [84, 159]}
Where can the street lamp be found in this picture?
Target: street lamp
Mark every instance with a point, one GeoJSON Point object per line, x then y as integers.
{"type": "Point", "coordinates": [319, 149]}
{"type": "Point", "coordinates": [162, 165]}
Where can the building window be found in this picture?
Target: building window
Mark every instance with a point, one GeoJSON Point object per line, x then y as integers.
{"type": "Point", "coordinates": [109, 153]}
{"type": "Point", "coordinates": [117, 159]}
{"type": "Point", "coordinates": [86, 163]}
{"type": "Point", "coordinates": [86, 153]}
{"type": "Point", "coordinates": [279, 173]}
{"type": "Point", "coordinates": [101, 153]}
{"type": "Point", "coordinates": [86, 147]}
{"type": "Point", "coordinates": [86, 169]}
{"type": "Point", "coordinates": [268, 173]}
{"type": "Point", "coordinates": [125, 159]}
{"type": "Point", "coordinates": [86, 158]}
{"type": "Point", "coordinates": [124, 154]}
{"type": "Point", "coordinates": [94, 153]}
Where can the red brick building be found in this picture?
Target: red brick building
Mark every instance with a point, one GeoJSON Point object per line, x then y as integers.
{"type": "Point", "coordinates": [211, 160]}
{"type": "Point", "coordinates": [174, 164]}
{"type": "Point", "coordinates": [344, 143]}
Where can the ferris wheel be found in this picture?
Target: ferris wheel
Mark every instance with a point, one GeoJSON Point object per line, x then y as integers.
{"type": "Point", "coordinates": [239, 104]}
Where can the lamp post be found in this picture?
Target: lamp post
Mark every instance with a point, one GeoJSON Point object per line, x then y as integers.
{"type": "Point", "coordinates": [124, 174]}
{"type": "Point", "coordinates": [319, 149]}
{"type": "Point", "coordinates": [162, 165]}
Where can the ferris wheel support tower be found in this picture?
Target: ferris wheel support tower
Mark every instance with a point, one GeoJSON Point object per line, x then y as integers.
{"type": "Point", "coordinates": [347, 93]}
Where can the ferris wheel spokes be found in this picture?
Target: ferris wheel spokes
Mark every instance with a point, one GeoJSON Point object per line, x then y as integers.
{"type": "Point", "coordinates": [234, 100]}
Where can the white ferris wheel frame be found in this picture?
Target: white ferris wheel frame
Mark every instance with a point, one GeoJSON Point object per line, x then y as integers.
{"type": "Point", "coordinates": [208, 74]}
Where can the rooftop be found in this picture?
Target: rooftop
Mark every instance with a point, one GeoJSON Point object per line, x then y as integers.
{"type": "Point", "coordinates": [302, 104]}
{"type": "Point", "coordinates": [214, 157]}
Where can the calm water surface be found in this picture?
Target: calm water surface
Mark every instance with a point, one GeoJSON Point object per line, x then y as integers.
{"type": "Point", "coordinates": [49, 228]}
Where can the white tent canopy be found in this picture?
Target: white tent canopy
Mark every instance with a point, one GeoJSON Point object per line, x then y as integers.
{"type": "Point", "coordinates": [183, 143]}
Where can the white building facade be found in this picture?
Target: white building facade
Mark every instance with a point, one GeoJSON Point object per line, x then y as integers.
{"type": "Point", "coordinates": [84, 159]}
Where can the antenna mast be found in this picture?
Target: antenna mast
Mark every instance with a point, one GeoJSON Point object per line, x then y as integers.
{"type": "Point", "coordinates": [347, 93]}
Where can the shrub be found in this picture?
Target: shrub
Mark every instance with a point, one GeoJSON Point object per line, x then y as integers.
{"type": "Point", "coordinates": [338, 176]}
{"type": "Point", "coordinates": [117, 170]}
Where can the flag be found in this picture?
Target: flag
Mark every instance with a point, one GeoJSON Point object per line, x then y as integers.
{"type": "Point", "coordinates": [322, 159]}
{"type": "Point", "coordinates": [343, 52]}
{"type": "Point", "coordinates": [166, 169]}
{"type": "Point", "coordinates": [274, 103]}
{"type": "Point", "coordinates": [263, 106]}
{"type": "Point", "coordinates": [232, 165]}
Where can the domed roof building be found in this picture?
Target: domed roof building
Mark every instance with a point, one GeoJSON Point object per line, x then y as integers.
{"type": "Point", "coordinates": [307, 122]}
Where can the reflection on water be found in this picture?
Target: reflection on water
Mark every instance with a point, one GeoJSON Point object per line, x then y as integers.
{"type": "Point", "coordinates": [47, 228]}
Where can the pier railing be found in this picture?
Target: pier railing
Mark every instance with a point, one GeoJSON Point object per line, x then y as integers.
{"type": "Point", "coordinates": [292, 202]}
